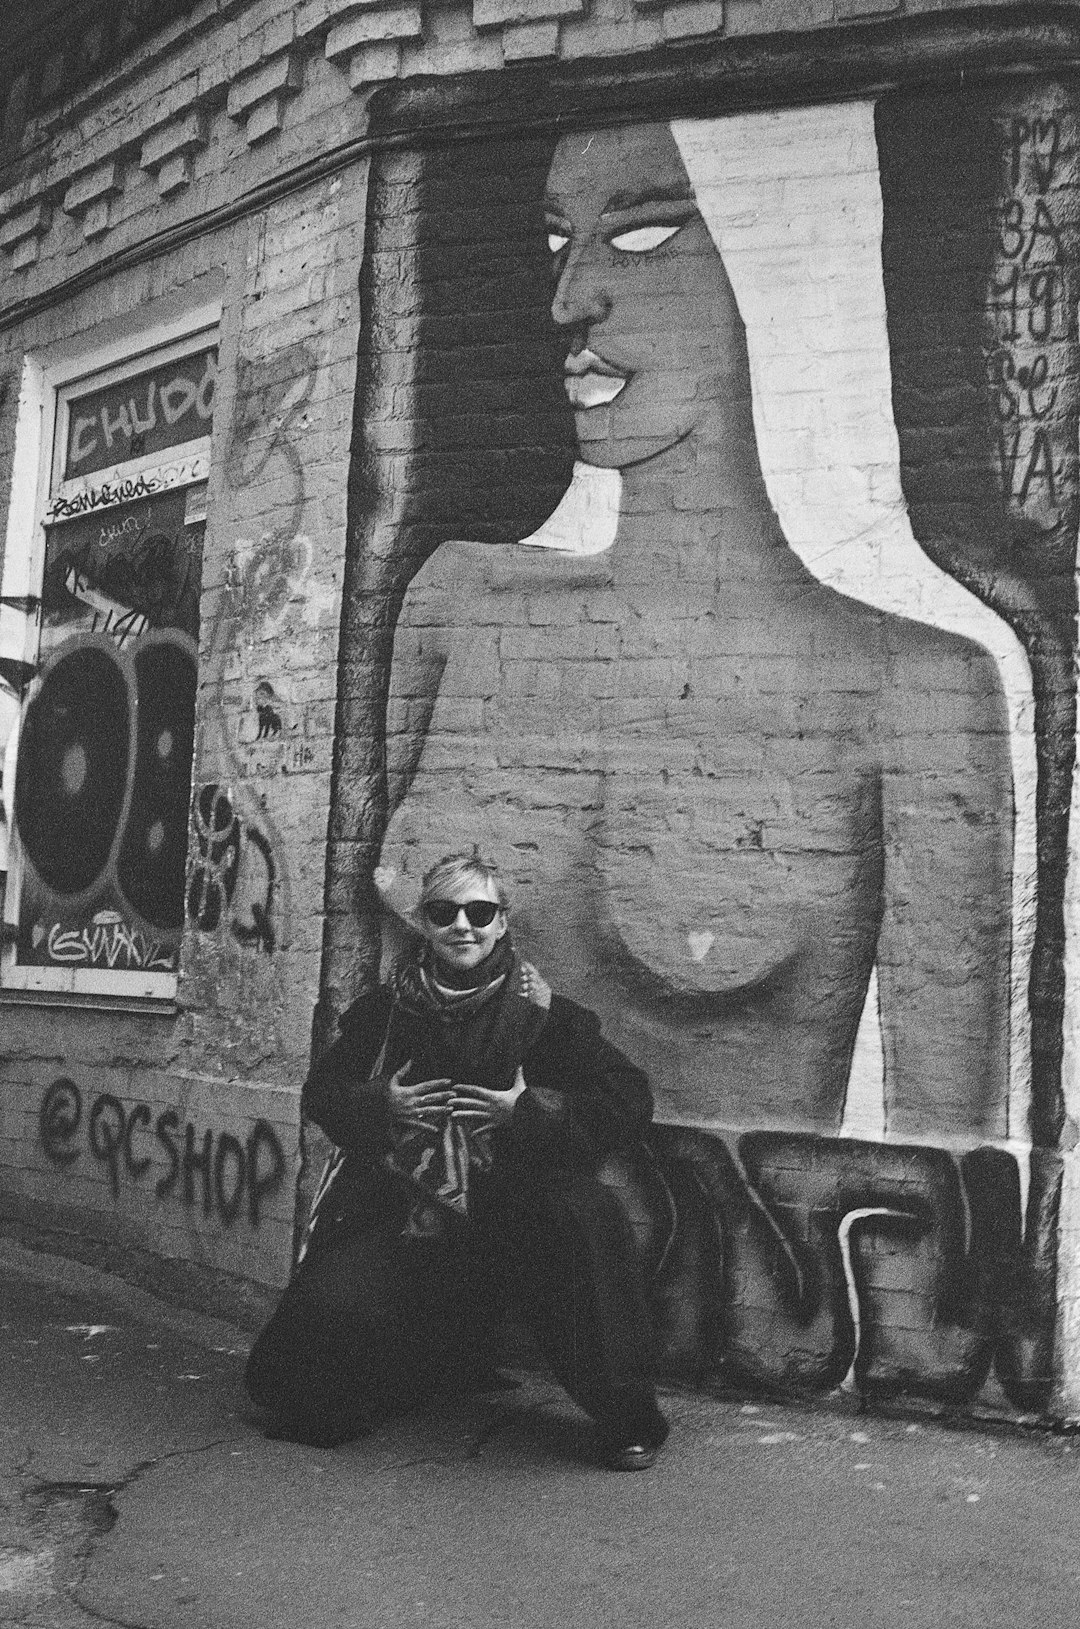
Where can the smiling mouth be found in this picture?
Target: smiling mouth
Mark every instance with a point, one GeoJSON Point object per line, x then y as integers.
{"type": "Point", "coordinates": [589, 381]}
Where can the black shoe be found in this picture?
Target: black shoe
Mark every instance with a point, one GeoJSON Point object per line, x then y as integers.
{"type": "Point", "coordinates": [636, 1456]}
{"type": "Point", "coordinates": [632, 1431]}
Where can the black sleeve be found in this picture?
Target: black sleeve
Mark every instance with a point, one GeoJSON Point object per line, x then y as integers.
{"type": "Point", "coordinates": [583, 1097]}
{"type": "Point", "coordinates": [338, 1093]}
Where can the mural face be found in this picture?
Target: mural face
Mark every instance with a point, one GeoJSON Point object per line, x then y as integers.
{"type": "Point", "coordinates": [654, 339]}
{"type": "Point", "coordinates": [765, 768]}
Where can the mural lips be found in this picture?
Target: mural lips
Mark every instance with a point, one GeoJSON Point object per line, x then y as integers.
{"type": "Point", "coordinates": [590, 381]}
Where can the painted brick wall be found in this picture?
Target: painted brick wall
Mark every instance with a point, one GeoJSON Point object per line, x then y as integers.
{"type": "Point", "coordinates": [749, 727]}
{"type": "Point", "coordinates": [591, 722]}
{"type": "Point", "coordinates": [230, 1064]}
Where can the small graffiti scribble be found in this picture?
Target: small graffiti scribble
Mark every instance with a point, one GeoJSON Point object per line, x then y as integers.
{"type": "Point", "coordinates": [234, 876]}
{"type": "Point", "coordinates": [103, 496]}
{"type": "Point", "coordinates": [108, 941]}
{"type": "Point", "coordinates": [268, 715]}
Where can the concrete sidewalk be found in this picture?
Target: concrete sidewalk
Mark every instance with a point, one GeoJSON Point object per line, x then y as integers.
{"type": "Point", "coordinates": [135, 1490]}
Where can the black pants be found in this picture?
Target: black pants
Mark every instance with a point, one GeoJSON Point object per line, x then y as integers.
{"type": "Point", "coordinates": [374, 1322]}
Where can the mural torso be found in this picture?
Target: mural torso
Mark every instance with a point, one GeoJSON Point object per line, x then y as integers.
{"type": "Point", "coordinates": [686, 794]}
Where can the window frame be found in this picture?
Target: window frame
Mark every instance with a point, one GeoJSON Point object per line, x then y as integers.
{"type": "Point", "coordinates": [48, 390]}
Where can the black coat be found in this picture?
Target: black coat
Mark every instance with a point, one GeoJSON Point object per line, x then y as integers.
{"type": "Point", "coordinates": [583, 1098]}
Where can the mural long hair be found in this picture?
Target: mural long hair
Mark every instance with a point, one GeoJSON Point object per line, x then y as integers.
{"type": "Point", "coordinates": [461, 430]}
{"type": "Point", "coordinates": [980, 254]}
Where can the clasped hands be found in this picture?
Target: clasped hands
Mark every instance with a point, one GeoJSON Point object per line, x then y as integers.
{"type": "Point", "coordinates": [428, 1103]}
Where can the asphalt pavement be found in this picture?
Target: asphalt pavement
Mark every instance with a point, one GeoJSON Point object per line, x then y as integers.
{"type": "Point", "coordinates": [136, 1489]}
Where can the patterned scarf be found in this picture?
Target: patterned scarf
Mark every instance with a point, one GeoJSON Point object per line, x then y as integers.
{"type": "Point", "coordinates": [472, 1030]}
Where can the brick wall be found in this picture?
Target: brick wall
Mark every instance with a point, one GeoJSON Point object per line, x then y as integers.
{"type": "Point", "coordinates": [705, 870]}
{"type": "Point", "coordinates": [233, 1057]}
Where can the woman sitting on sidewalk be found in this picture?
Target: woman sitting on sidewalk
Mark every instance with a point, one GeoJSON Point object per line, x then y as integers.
{"type": "Point", "coordinates": [472, 1108]}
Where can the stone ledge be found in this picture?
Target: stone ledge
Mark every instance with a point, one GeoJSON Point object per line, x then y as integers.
{"type": "Point", "coordinates": [689, 19]}
{"type": "Point", "coordinates": [98, 219]}
{"type": "Point", "coordinates": [93, 187]}
{"type": "Point", "coordinates": [265, 40]}
{"type": "Point", "coordinates": [258, 99]}
{"type": "Point", "coordinates": [497, 13]}
{"type": "Point", "coordinates": [22, 234]}
{"type": "Point", "coordinates": [182, 136]}
{"type": "Point", "coordinates": [321, 14]}
{"type": "Point", "coordinates": [374, 63]}
{"type": "Point", "coordinates": [525, 41]}
{"type": "Point", "coordinates": [169, 104]}
{"type": "Point", "coordinates": [741, 17]}
{"type": "Point", "coordinates": [22, 194]}
{"type": "Point", "coordinates": [374, 26]}
{"type": "Point", "coordinates": [26, 253]}
{"type": "Point", "coordinates": [864, 8]}
{"type": "Point", "coordinates": [265, 119]}
{"type": "Point", "coordinates": [82, 182]}
{"type": "Point", "coordinates": [175, 174]}
{"type": "Point", "coordinates": [31, 223]}
{"type": "Point", "coordinates": [282, 76]}
{"type": "Point", "coordinates": [43, 124]}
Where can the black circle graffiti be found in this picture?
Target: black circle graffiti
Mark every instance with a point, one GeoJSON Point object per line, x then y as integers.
{"type": "Point", "coordinates": [73, 768]}
{"type": "Point", "coordinates": [153, 845]}
{"type": "Point", "coordinates": [103, 779]}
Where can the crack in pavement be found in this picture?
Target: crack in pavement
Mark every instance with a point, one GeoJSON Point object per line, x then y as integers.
{"type": "Point", "coordinates": [120, 1487]}
{"type": "Point", "coordinates": [100, 1617]}
{"type": "Point", "coordinates": [54, 1529]}
{"type": "Point", "coordinates": [119, 1484]}
{"type": "Point", "coordinates": [71, 1517]}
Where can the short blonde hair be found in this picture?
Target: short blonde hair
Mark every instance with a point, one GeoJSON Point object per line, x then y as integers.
{"type": "Point", "coordinates": [454, 869]}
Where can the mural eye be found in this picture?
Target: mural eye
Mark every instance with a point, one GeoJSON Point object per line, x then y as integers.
{"type": "Point", "coordinates": [557, 242]}
{"type": "Point", "coordinates": [641, 239]}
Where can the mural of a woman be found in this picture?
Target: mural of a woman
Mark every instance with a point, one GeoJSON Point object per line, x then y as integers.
{"type": "Point", "coordinates": [725, 793]}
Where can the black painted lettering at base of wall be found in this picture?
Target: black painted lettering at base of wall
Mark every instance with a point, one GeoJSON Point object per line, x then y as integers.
{"type": "Point", "coordinates": [809, 1258]}
{"type": "Point", "coordinates": [224, 1175]}
{"type": "Point", "coordinates": [801, 1261]}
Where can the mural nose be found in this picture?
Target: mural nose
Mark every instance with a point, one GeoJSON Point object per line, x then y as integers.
{"type": "Point", "coordinates": [580, 297]}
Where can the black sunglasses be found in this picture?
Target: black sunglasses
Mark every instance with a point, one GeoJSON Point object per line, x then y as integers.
{"type": "Point", "coordinates": [479, 913]}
